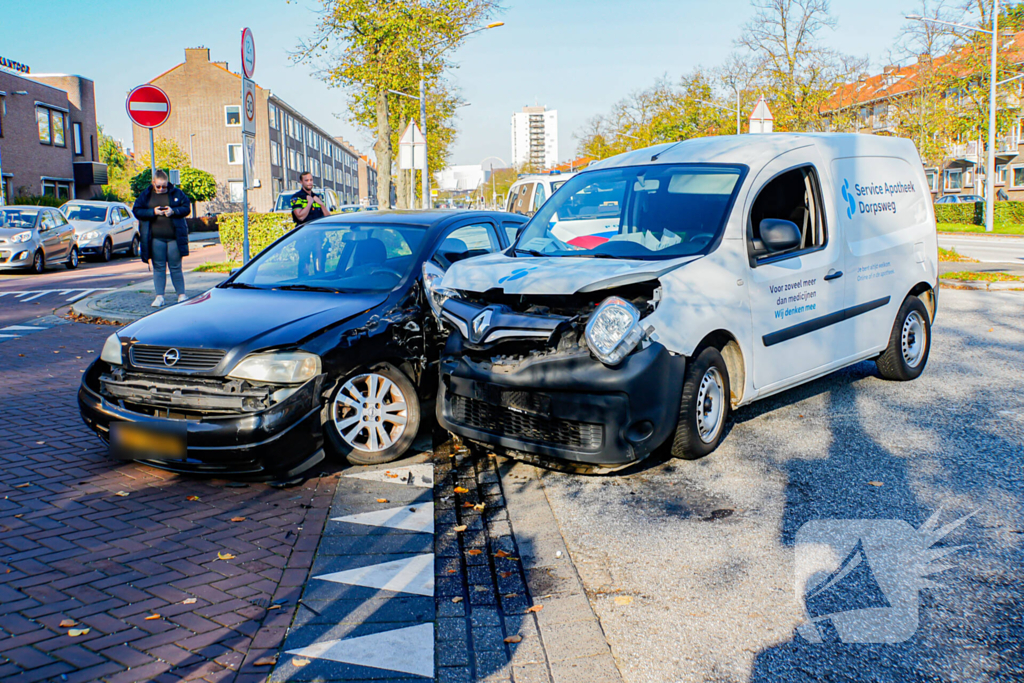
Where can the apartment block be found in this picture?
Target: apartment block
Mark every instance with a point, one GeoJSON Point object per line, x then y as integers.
{"type": "Point", "coordinates": [535, 137]}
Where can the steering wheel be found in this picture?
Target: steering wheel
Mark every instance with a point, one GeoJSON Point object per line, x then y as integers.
{"type": "Point", "coordinates": [705, 236]}
{"type": "Point", "coordinates": [375, 270]}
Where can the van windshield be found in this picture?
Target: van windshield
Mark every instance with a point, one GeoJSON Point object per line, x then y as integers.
{"type": "Point", "coordinates": [638, 212]}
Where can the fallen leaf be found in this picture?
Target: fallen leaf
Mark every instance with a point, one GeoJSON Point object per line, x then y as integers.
{"type": "Point", "coordinates": [456, 600]}
{"type": "Point", "coordinates": [273, 607]}
{"type": "Point", "coordinates": [391, 475]}
{"type": "Point", "coordinates": [21, 486]}
{"type": "Point", "coordinates": [19, 515]}
{"type": "Point", "coordinates": [474, 551]}
{"type": "Point", "coordinates": [479, 507]}
{"type": "Point", "coordinates": [501, 553]}
{"type": "Point", "coordinates": [225, 556]}
{"type": "Point", "coordinates": [40, 442]}
{"type": "Point", "coordinates": [192, 498]}
{"type": "Point", "coordinates": [238, 519]}
{"type": "Point", "coordinates": [492, 455]}
{"type": "Point", "coordinates": [459, 489]}
{"type": "Point", "coordinates": [75, 632]}
{"type": "Point", "coordinates": [461, 527]}
{"type": "Point", "coordinates": [412, 509]}
{"type": "Point", "coordinates": [799, 415]}
{"type": "Point", "coordinates": [991, 329]}
{"type": "Point", "coordinates": [505, 575]}
{"type": "Point", "coordinates": [266, 661]}
{"type": "Point", "coordinates": [67, 623]}
{"type": "Point", "coordinates": [623, 600]}
{"type": "Point", "coordinates": [514, 639]}
{"type": "Point", "coordinates": [875, 483]}
{"type": "Point", "coordinates": [382, 500]}
{"type": "Point", "coordinates": [511, 595]}
{"type": "Point", "coordinates": [536, 608]}
{"type": "Point", "coordinates": [299, 661]}
{"type": "Point", "coordinates": [452, 571]}
{"type": "Point", "coordinates": [151, 617]}
{"type": "Point", "coordinates": [123, 494]}
{"type": "Point", "coordinates": [467, 505]}
{"type": "Point", "coordinates": [188, 601]}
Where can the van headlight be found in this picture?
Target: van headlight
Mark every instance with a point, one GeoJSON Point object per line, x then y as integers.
{"type": "Point", "coordinates": [436, 294]}
{"type": "Point", "coordinates": [22, 236]}
{"type": "Point", "coordinates": [293, 367]}
{"type": "Point", "coordinates": [614, 330]}
{"type": "Point", "coordinates": [111, 352]}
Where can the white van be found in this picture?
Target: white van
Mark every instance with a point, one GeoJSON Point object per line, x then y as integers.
{"type": "Point", "coordinates": [529, 193]}
{"type": "Point", "coordinates": [664, 287]}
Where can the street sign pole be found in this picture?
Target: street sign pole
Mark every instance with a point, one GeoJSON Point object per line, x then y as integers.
{"type": "Point", "coordinates": [248, 128]}
{"type": "Point", "coordinates": [152, 157]}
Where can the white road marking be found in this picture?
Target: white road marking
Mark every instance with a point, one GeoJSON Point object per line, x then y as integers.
{"type": "Point", "coordinates": [30, 294]}
{"type": "Point", "coordinates": [409, 650]}
{"type": "Point", "coordinates": [412, 575]}
{"type": "Point", "coordinates": [421, 476]}
{"type": "Point", "coordinates": [79, 296]}
{"type": "Point", "coordinates": [34, 296]}
{"type": "Point", "coordinates": [9, 336]}
{"type": "Point", "coordinates": [15, 328]}
{"type": "Point", "coordinates": [419, 517]}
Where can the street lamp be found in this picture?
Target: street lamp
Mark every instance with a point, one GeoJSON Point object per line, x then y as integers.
{"type": "Point", "coordinates": [425, 187]}
{"type": "Point", "coordinates": [990, 164]}
{"type": "Point", "coordinates": [736, 110]}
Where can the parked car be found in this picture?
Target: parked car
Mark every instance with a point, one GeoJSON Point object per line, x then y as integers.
{"type": "Point", "coordinates": [959, 199]}
{"type": "Point", "coordinates": [712, 275]}
{"type": "Point", "coordinates": [284, 200]}
{"type": "Point", "coordinates": [324, 341]}
{"type": "Point", "coordinates": [529, 193]}
{"type": "Point", "coordinates": [103, 228]}
{"type": "Point", "coordinates": [33, 236]}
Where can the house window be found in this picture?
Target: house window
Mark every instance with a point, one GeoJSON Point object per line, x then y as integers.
{"type": "Point", "coordinates": [232, 115]}
{"type": "Point", "coordinates": [933, 179]}
{"type": "Point", "coordinates": [275, 154]}
{"type": "Point", "coordinates": [1001, 174]}
{"type": "Point", "coordinates": [57, 122]}
{"type": "Point", "coordinates": [954, 179]}
{"type": "Point", "coordinates": [57, 188]}
{"type": "Point", "coordinates": [274, 121]}
{"type": "Point", "coordinates": [292, 161]}
{"type": "Point", "coordinates": [43, 121]}
{"type": "Point", "coordinates": [968, 179]}
{"type": "Point", "coordinates": [1017, 179]}
{"type": "Point", "coordinates": [76, 138]}
{"type": "Point", "coordinates": [234, 154]}
{"type": "Point", "coordinates": [235, 193]}
{"type": "Point", "coordinates": [3, 113]}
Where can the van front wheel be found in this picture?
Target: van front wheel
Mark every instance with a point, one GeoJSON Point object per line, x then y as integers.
{"type": "Point", "coordinates": [704, 406]}
{"type": "Point", "coordinates": [909, 343]}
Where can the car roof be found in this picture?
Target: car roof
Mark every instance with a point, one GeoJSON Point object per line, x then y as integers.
{"type": "Point", "coordinates": [25, 206]}
{"type": "Point", "coordinates": [534, 177]}
{"type": "Point", "coordinates": [427, 219]}
{"type": "Point", "coordinates": [93, 202]}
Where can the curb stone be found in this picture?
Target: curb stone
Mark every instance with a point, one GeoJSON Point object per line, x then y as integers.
{"type": "Point", "coordinates": [981, 285]}
{"type": "Point", "coordinates": [131, 302]}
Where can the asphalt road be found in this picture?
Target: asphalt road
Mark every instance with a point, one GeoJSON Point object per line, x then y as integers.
{"type": "Point", "coordinates": [987, 249]}
{"type": "Point", "coordinates": [692, 566]}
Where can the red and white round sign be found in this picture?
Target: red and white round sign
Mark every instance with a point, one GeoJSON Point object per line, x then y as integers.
{"type": "Point", "coordinates": [248, 53]}
{"type": "Point", "coordinates": [148, 106]}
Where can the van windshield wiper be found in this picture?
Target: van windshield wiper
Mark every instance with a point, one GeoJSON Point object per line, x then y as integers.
{"type": "Point", "coordinates": [309, 288]}
{"type": "Point", "coordinates": [239, 285]}
{"type": "Point", "coordinates": [583, 254]}
{"type": "Point", "coordinates": [531, 252]}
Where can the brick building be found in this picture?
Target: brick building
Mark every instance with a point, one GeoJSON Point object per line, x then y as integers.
{"type": "Point", "coordinates": [48, 139]}
{"type": "Point", "coordinates": [206, 122]}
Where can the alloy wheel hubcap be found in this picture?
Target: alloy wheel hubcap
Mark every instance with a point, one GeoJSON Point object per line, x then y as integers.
{"type": "Point", "coordinates": [370, 412]}
{"type": "Point", "coordinates": [912, 339]}
{"type": "Point", "coordinates": [74, 258]}
{"type": "Point", "coordinates": [710, 397]}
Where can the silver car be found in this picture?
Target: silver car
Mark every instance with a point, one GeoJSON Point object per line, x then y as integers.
{"type": "Point", "coordinates": [103, 228]}
{"type": "Point", "coordinates": [33, 236]}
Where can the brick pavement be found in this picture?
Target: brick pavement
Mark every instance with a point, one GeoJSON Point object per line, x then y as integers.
{"type": "Point", "coordinates": [72, 548]}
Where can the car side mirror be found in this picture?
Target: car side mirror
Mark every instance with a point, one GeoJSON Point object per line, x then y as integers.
{"type": "Point", "coordinates": [233, 271]}
{"type": "Point", "coordinates": [779, 235]}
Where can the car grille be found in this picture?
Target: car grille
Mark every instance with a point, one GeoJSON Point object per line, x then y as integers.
{"type": "Point", "coordinates": [499, 421]}
{"type": "Point", "coordinates": [146, 356]}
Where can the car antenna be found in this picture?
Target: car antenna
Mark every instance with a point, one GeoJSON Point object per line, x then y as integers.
{"type": "Point", "coordinates": [655, 157]}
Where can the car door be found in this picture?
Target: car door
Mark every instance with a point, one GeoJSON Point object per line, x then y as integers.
{"type": "Point", "coordinates": [65, 231]}
{"type": "Point", "coordinates": [796, 296]}
{"type": "Point", "coordinates": [123, 228]}
{"type": "Point", "coordinates": [511, 228]}
{"type": "Point", "coordinates": [49, 235]}
{"type": "Point", "coordinates": [465, 240]}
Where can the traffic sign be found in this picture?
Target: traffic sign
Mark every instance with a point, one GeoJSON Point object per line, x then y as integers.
{"type": "Point", "coordinates": [248, 107]}
{"type": "Point", "coordinates": [249, 154]}
{"type": "Point", "coordinates": [248, 53]}
{"type": "Point", "coordinates": [148, 106]}
{"type": "Point", "coordinates": [411, 148]}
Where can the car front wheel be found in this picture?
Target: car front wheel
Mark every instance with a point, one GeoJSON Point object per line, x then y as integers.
{"type": "Point", "coordinates": [373, 416]}
{"type": "Point", "coordinates": [72, 261]}
{"type": "Point", "coordinates": [108, 250]}
{"type": "Point", "coordinates": [704, 406]}
{"type": "Point", "coordinates": [38, 263]}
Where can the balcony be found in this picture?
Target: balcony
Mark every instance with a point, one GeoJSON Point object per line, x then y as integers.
{"type": "Point", "coordinates": [974, 151]}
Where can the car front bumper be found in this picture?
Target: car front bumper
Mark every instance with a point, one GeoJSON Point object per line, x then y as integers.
{"type": "Point", "coordinates": [565, 409]}
{"type": "Point", "coordinates": [278, 442]}
{"type": "Point", "coordinates": [19, 256]}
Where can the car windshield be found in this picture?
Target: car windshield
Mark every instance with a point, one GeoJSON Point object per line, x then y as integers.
{"type": "Point", "coordinates": [18, 218]}
{"type": "Point", "coordinates": [327, 256]}
{"type": "Point", "coordinates": [284, 202]}
{"type": "Point", "coordinates": [82, 212]}
{"type": "Point", "coordinates": [641, 212]}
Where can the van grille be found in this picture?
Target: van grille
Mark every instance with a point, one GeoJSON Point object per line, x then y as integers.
{"type": "Point", "coordinates": [189, 360]}
{"type": "Point", "coordinates": [581, 436]}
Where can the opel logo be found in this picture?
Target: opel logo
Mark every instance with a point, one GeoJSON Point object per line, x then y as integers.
{"type": "Point", "coordinates": [171, 357]}
{"type": "Point", "coordinates": [481, 324]}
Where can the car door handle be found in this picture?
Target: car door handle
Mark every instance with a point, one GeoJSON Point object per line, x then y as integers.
{"type": "Point", "coordinates": [833, 275]}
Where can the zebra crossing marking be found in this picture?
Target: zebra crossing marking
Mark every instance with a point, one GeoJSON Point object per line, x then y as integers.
{"type": "Point", "coordinates": [412, 575]}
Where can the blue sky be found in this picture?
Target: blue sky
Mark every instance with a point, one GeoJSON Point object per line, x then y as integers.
{"type": "Point", "coordinates": [576, 56]}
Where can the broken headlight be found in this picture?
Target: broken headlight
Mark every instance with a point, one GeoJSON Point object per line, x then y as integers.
{"type": "Point", "coordinates": [278, 368]}
{"type": "Point", "coordinates": [614, 330]}
{"type": "Point", "coordinates": [111, 352]}
{"type": "Point", "coordinates": [436, 294]}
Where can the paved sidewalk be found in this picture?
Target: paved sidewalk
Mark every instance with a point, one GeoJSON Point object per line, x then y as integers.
{"type": "Point", "coordinates": [128, 304]}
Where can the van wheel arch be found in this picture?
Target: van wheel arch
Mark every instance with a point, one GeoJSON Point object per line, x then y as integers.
{"type": "Point", "coordinates": [925, 292]}
{"type": "Point", "coordinates": [725, 343]}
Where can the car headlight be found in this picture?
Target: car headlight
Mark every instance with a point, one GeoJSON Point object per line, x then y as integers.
{"type": "Point", "coordinates": [22, 236]}
{"type": "Point", "coordinates": [278, 368]}
{"type": "Point", "coordinates": [111, 352]}
{"type": "Point", "coordinates": [436, 294]}
{"type": "Point", "coordinates": [614, 330]}
{"type": "Point", "coordinates": [92, 234]}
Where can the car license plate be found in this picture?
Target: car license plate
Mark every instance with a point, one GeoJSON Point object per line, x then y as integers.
{"type": "Point", "coordinates": [148, 441]}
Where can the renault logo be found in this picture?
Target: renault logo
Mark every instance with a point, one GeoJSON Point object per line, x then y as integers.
{"type": "Point", "coordinates": [481, 323]}
{"type": "Point", "coordinates": [171, 357]}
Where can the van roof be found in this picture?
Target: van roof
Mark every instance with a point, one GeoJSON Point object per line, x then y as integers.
{"type": "Point", "coordinates": [756, 150]}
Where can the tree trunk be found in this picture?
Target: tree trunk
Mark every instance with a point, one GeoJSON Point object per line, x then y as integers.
{"type": "Point", "coordinates": [383, 149]}
{"type": "Point", "coordinates": [402, 177]}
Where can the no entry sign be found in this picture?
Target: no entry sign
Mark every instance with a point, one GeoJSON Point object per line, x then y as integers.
{"type": "Point", "coordinates": [148, 106]}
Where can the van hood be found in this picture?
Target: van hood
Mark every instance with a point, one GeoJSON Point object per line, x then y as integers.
{"type": "Point", "coordinates": [553, 275]}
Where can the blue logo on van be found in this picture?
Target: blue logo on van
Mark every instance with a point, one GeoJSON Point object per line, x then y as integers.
{"type": "Point", "coordinates": [848, 196]}
{"type": "Point", "coordinates": [516, 274]}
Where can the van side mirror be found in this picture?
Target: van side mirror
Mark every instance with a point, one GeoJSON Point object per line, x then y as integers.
{"type": "Point", "coordinates": [779, 235]}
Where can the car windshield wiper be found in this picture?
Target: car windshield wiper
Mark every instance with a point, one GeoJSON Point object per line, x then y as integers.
{"type": "Point", "coordinates": [583, 254]}
{"type": "Point", "coordinates": [531, 252]}
{"type": "Point", "coordinates": [239, 285]}
{"type": "Point", "coordinates": [310, 288]}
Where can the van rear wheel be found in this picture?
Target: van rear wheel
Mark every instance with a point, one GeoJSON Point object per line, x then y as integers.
{"type": "Point", "coordinates": [704, 407]}
{"type": "Point", "coordinates": [909, 343]}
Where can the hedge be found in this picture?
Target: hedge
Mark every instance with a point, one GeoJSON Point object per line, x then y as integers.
{"type": "Point", "coordinates": [37, 200]}
{"type": "Point", "coordinates": [973, 213]}
{"type": "Point", "coordinates": [264, 228]}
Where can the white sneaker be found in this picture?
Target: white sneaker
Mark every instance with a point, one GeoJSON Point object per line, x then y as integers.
{"type": "Point", "coordinates": [158, 302]}
{"type": "Point", "coordinates": [182, 297]}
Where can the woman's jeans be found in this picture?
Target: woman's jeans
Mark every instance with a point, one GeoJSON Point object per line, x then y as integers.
{"type": "Point", "coordinates": [165, 253]}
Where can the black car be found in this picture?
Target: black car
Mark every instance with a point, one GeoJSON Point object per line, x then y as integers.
{"type": "Point", "coordinates": [323, 342]}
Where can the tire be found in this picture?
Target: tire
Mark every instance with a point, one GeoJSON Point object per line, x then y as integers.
{"type": "Point", "coordinates": [704, 407]}
{"type": "Point", "coordinates": [395, 429]}
{"type": "Point", "coordinates": [136, 248]}
{"type": "Point", "coordinates": [910, 342]}
{"type": "Point", "coordinates": [38, 263]}
{"type": "Point", "coordinates": [108, 251]}
{"type": "Point", "coordinates": [73, 259]}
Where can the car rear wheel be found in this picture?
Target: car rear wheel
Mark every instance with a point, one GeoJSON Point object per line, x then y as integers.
{"type": "Point", "coordinates": [909, 343]}
{"type": "Point", "coordinates": [38, 263]}
{"type": "Point", "coordinates": [72, 261]}
{"type": "Point", "coordinates": [373, 416]}
{"type": "Point", "coordinates": [704, 406]}
{"type": "Point", "coordinates": [108, 250]}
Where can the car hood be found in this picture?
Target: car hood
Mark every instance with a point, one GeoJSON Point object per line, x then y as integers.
{"type": "Point", "coordinates": [11, 232]}
{"type": "Point", "coordinates": [553, 275]}
{"type": "Point", "coordinates": [248, 319]}
{"type": "Point", "coordinates": [87, 226]}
